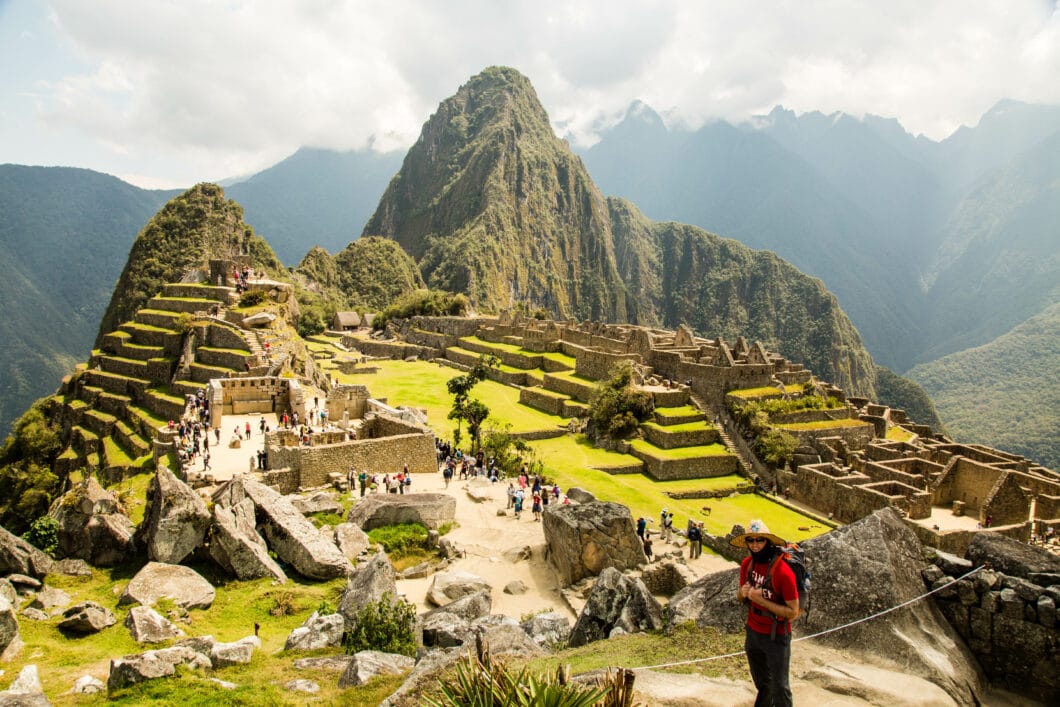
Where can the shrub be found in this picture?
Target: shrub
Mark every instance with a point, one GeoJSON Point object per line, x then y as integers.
{"type": "Point", "coordinates": [428, 303]}
{"type": "Point", "coordinates": [400, 540]}
{"type": "Point", "coordinates": [617, 407]}
{"type": "Point", "coordinates": [252, 298]}
{"type": "Point", "coordinates": [777, 447]}
{"type": "Point", "coordinates": [507, 450]}
{"type": "Point", "coordinates": [43, 534]}
{"type": "Point", "coordinates": [385, 625]}
{"type": "Point", "coordinates": [483, 681]}
{"type": "Point", "coordinates": [311, 322]}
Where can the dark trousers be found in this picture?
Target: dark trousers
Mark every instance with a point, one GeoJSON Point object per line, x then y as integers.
{"type": "Point", "coordinates": [768, 659]}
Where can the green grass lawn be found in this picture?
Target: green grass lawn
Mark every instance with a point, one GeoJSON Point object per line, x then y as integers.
{"type": "Point", "coordinates": [570, 460]}
{"type": "Point", "coordinates": [899, 434]}
{"type": "Point", "coordinates": [700, 450]}
{"type": "Point", "coordinates": [422, 385]}
{"type": "Point", "coordinates": [567, 461]}
{"type": "Point", "coordinates": [683, 427]}
{"type": "Point", "coordinates": [822, 424]}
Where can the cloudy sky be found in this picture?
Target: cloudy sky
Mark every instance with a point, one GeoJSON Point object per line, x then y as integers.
{"type": "Point", "coordinates": [166, 93]}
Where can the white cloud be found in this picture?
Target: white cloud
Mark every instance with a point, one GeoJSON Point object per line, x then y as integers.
{"type": "Point", "coordinates": [193, 90]}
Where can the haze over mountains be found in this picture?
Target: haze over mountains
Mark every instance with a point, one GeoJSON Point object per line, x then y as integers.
{"type": "Point", "coordinates": [930, 247]}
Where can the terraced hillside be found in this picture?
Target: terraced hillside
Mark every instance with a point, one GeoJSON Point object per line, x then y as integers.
{"type": "Point", "coordinates": [116, 409]}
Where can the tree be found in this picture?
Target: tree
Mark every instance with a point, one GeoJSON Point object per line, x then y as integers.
{"type": "Point", "coordinates": [466, 409]}
{"type": "Point", "coordinates": [777, 447]}
{"type": "Point", "coordinates": [617, 407]}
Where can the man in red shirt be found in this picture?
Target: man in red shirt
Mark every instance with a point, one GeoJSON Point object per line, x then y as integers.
{"type": "Point", "coordinates": [773, 603]}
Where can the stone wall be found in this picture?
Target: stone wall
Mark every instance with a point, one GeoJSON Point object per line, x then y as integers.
{"type": "Point", "coordinates": [1009, 623]}
{"type": "Point", "coordinates": [854, 437]}
{"type": "Point", "coordinates": [572, 388]}
{"type": "Point", "coordinates": [597, 365]}
{"type": "Point", "coordinates": [696, 468]}
{"type": "Point", "coordinates": [544, 400]}
{"type": "Point", "coordinates": [967, 481]}
{"type": "Point", "coordinates": [347, 402]}
{"type": "Point", "coordinates": [382, 455]}
{"type": "Point", "coordinates": [390, 349]}
{"type": "Point", "coordinates": [1047, 507]}
{"type": "Point", "coordinates": [666, 438]}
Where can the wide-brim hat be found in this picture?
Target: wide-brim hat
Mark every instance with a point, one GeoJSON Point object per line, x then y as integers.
{"type": "Point", "coordinates": [756, 528]}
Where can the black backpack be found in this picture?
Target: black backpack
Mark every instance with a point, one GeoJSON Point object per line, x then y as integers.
{"type": "Point", "coordinates": [796, 559]}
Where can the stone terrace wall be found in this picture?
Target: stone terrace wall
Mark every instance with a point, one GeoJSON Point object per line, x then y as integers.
{"type": "Point", "coordinates": [540, 399]}
{"type": "Point", "coordinates": [1009, 624]}
{"type": "Point", "coordinates": [967, 481]}
{"type": "Point", "coordinates": [383, 455]}
{"type": "Point", "coordinates": [598, 364]}
{"type": "Point", "coordinates": [698, 468]}
{"type": "Point", "coordinates": [854, 437]}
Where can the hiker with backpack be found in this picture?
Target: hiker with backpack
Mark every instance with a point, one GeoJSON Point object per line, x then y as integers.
{"type": "Point", "coordinates": [768, 586]}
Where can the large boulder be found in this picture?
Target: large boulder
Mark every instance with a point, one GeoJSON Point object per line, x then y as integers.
{"type": "Point", "coordinates": [1012, 557]}
{"type": "Point", "coordinates": [25, 691]}
{"type": "Point", "coordinates": [365, 665]}
{"type": "Point", "coordinates": [316, 632]}
{"type": "Point", "coordinates": [319, 502]}
{"type": "Point", "coordinates": [148, 626]}
{"type": "Point", "coordinates": [616, 602]}
{"type": "Point", "coordinates": [175, 520]}
{"type": "Point", "coordinates": [19, 557]}
{"type": "Point", "coordinates": [93, 526]}
{"type": "Point", "coordinates": [432, 510]}
{"type": "Point", "coordinates": [236, 546]}
{"type": "Point", "coordinates": [447, 587]}
{"type": "Point", "coordinates": [858, 570]}
{"type": "Point", "coordinates": [236, 653]}
{"type": "Point", "coordinates": [51, 601]}
{"type": "Point", "coordinates": [547, 628]}
{"type": "Point", "coordinates": [293, 538]}
{"type": "Point", "coordinates": [183, 585]}
{"type": "Point", "coordinates": [10, 640]}
{"type": "Point", "coordinates": [351, 540]}
{"type": "Point", "coordinates": [86, 618]}
{"type": "Point", "coordinates": [368, 583]}
{"type": "Point", "coordinates": [582, 540]}
{"type": "Point", "coordinates": [133, 669]}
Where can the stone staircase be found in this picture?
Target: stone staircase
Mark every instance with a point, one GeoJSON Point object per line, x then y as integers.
{"type": "Point", "coordinates": [747, 467]}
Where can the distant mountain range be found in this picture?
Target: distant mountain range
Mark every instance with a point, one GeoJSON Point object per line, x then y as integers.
{"type": "Point", "coordinates": [932, 247]}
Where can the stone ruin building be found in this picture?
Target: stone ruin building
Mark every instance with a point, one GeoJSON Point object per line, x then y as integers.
{"type": "Point", "coordinates": [845, 471]}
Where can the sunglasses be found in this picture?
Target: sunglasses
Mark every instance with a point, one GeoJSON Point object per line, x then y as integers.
{"type": "Point", "coordinates": [756, 540]}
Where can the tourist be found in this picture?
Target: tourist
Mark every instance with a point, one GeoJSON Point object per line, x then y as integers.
{"type": "Point", "coordinates": [261, 426]}
{"type": "Point", "coordinates": [695, 541]}
{"type": "Point", "coordinates": [771, 609]}
{"type": "Point", "coordinates": [447, 474]}
{"type": "Point", "coordinates": [642, 525]}
{"type": "Point", "coordinates": [362, 481]}
{"type": "Point", "coordinates": [647, 547]}
{"type": "Point", "coordinates": [666, 525]}
{"type": "Point", "coordinates": [511, 495]}
{"type": "Point", "coordinates": [518, 503]}
{"type": "Point", "coordinates": [248, 429]}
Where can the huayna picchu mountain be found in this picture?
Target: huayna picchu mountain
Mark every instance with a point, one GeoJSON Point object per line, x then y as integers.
{"type": "Point", "coordinates": [490, 202]}
{"type": "Point", "coordinates": [189, 231]}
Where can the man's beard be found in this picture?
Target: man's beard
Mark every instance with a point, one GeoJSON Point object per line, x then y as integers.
{"type": "Point", "coordinates": [764, 555]}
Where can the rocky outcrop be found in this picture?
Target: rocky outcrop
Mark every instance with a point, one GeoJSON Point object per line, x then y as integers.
{"type": "Point", "coordinates": [148, 626]}
{"type": "Point", "coordinates": [19, 557]}
{"type": "Point", "coordinates": [51, 601]}
{"type": "Point", "coordinates": [236, 653]}
{"type": "Point", "coordinates": [10, 640]}
{"type": "Point", "coordinates": [151, 665]}
{"type": "Point", "coordinates": [365, 665]}
{"type": "Point", "coordinates": [293, 538]}
{"type": "Point", "coordinates": [580, 495]}
{"type": "Point", "coordinates": [616, 602]}
{"type": "Point", "coordinates": [88, 685]}
{"type": "Point", "coordinates": [451, 625]}
{"type": "Point", "coordinates": [93, 526]}
{"type": "Point", "coordinates": [863, 568]}
{"type": "Point", "coordinates": [582, 540]}
{"type": "Point", "coordinates": [548, 628]}
{"type": "Point", "coordinates": [183, 585]}
{"type": "Point", "coordinates": [316, 632]}
{"type": "Point", "coordinates": [236, 546]}
{"type": "Point", "coordinates": [85, 618]}
{"type": "Point", "coordinates": [351, 540]}
{"type": "Point", "coordinates": [447, 587]}
{"type": "Point", "coordinates": [368, 583]}
{"type": "Point", "coordinates": [1013, 558]}
{"type": "Point", "coordinates": [25, 691]}
{"type": "Point", "coordinates": [320, 502]}
{"type": "Point", "coordinates": [432, 510]}
{"type": "Point", "coordinates": [175, 520]}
